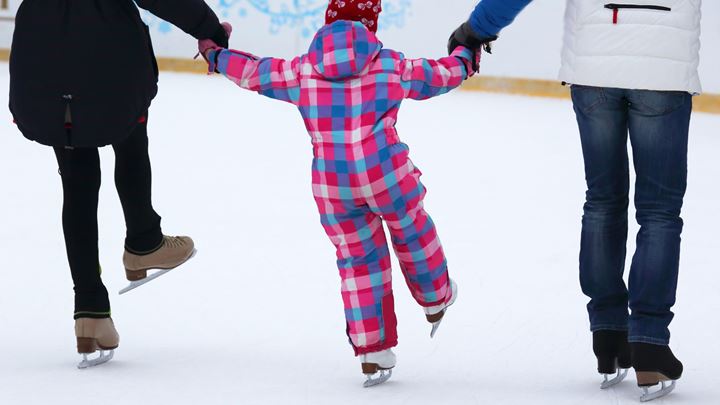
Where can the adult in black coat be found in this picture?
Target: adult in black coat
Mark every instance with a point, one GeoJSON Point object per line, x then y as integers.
{"type": "Point", "coordinates": [82, 76]}
{"type": "Point", "coordinates": [95, 58]}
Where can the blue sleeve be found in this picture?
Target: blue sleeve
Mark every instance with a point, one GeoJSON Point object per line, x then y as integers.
{"type": "Point", "coordinates": [491, 16]}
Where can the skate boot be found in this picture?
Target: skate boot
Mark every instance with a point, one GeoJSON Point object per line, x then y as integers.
{"type": "Point", "coordinates": [377, 363]}
{"type": "Point", "coordinates": [95, 335]}
{"type": "Point", "coordinates": [435, 314]}
{"type": "Point", "coordinates": [613, 356]}
{"type": "Point", "coordinates": [655, 364]}
{"type": "Point", "coordinates": [173, 251]}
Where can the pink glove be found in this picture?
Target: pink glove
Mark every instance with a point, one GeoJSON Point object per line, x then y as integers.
{"type": "Point", "coordinates": [205, 45]}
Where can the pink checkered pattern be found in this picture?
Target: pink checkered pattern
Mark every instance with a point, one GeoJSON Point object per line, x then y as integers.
{"type": "Point", "coordinates": [349, 90]}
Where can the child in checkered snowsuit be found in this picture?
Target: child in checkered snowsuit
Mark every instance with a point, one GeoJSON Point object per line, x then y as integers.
{"type": "Point", "coordinates": [349, 90]}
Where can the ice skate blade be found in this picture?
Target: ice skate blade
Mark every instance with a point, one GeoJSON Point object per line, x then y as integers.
{"type": "Point", "coordinates": [436, 324]}
{"type": "Point", "coordinates": [139, 283]}
{"type": "Point", "coordinates": [665, 390]}
{"type": "Point", "coordinates": [102, 359]}
{"type": "Point", "coordinates": [435, 327]}
{"type": "Point", "coordinates": [619, 377]}
{"type": "Point", "coordinates": [371, 382]}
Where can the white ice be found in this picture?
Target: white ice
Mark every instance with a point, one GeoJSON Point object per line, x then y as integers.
{"type": "Point", "coordinates": [256, 317]}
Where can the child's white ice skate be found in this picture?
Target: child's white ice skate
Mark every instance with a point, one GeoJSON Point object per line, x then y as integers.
{"type": "Point", "coordinates": [435, 314]}
{"type": "Point", "coordinates": [377, 367]}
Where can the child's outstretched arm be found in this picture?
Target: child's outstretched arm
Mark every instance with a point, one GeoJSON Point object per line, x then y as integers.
{"type": "Point", "coordinates": [271, 77]}
{"type": "Point", "coordinates": [426, 78]}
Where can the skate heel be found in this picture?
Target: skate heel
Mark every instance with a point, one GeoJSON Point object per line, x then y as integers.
{"type": "Point", "coordinates": [135, 275]}
{"type": "Point", "coordinates": [370, 368]}
{"type": "Point", "coordinates": [649, 379]}
{"type": "Point", "coordinates": [607, 365]}
{"type": "Point", "coordinates": [377, 367]}
{"type": "Point", "coordinates": [87, 345]}
{"type": "Point", "coordinates": [435, 318]}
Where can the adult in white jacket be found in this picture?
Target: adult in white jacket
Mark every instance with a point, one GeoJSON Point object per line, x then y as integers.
{"type": "Point", "coordinates": [632, 65]}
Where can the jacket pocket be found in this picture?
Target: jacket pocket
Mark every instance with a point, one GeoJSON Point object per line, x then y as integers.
{"type": "Point", "coordinates": [651, 103]}
{"type": "Point", "coordinates": [617, 7]}
{"type": "Point", "coordinates": [587, 98]}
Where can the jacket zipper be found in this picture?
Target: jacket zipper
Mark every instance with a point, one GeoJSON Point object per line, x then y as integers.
{"type": "Point", "coordinates": [616, 8]}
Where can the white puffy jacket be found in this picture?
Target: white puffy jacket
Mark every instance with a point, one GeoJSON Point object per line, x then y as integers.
{"type": "Point", "coordinates": [632, 44]}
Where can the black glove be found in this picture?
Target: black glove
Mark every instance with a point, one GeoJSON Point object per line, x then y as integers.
{"type": "Point", "coordinates": [465, 36]}
{"type": "Point", "coordinates": [220, 37]}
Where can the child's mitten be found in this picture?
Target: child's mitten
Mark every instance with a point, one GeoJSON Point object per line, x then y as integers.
{"type": "Point", "coordinates": [470, 58]}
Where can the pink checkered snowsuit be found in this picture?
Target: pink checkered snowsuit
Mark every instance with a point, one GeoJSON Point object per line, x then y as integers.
{"type": "Point", "coordinates": [348, 90]}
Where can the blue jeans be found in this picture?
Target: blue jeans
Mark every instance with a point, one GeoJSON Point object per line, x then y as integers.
{"type": "Point", "coordinates": [658, 124]}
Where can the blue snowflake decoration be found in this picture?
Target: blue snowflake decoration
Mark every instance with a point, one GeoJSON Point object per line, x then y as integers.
{"type": "Point", "coordinates": [307, 15]}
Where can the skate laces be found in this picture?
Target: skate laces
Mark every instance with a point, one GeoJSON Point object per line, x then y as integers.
{"type": "Point", "coordinates": [174, 241]}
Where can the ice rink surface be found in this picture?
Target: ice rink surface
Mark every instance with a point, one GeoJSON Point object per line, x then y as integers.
{"type": "Point", "coordinates": [256, 317]}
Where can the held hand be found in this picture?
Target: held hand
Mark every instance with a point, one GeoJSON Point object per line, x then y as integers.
{"type": "Point", "coordinates": [476, 61]}
{"type": "Point", "coordinates": [465, 36]}
{"type": "Point", "coordinates": [219, 41]}
{"type": "Point", "coordinates": [472, 64]}
{"type": "Point", "coordinates": [222, 35]}
{"type": "Point", "coordinates": [205, 46]}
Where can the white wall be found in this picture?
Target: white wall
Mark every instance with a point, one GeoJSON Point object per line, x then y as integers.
{"type": "Point", "coordinates": [528, 48]}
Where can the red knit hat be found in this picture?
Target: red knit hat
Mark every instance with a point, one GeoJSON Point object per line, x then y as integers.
{"type": "Point", "coordinates": [364, 11]}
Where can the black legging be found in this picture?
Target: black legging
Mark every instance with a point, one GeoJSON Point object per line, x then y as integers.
{"type": "Point", "coordinates": [80, 172]}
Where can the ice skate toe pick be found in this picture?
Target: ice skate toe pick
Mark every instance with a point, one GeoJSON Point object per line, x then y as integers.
{"type": "Point", "coordinates": [663, 391]}
{"type": "Point", "coordinates": [617, 379]}
{"type": "Point", "coordinates": [377, 378]}
{"type": "Point", "coordinates": [103, 358]}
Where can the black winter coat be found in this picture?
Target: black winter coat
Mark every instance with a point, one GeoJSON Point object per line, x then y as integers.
{"type": "Point", "coordinates": [83, 72]}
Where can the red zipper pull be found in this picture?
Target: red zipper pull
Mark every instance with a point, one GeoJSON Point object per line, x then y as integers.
{"type": "Point", "coordinates": [615, 15]}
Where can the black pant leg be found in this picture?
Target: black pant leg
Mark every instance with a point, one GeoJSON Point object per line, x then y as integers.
{"type": "Point", "coordinates": [133, 180]}
{"type": "Point", "coordinates": [80, 173]}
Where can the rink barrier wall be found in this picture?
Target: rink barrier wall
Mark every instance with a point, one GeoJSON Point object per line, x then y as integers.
{"type": "Point", "coordinates": [707, 103]}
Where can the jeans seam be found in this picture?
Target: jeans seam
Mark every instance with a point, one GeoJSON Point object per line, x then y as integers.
{"type": "Point", "coordinates": [649, 340]}
{"type": "Point", "coordinates": [602, 98]}
{"type": "Point", "coordinates": [619, 328]}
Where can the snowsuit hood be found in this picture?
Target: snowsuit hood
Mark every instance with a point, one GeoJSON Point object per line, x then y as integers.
{"type": "Point", "coordinates": [343, 49]}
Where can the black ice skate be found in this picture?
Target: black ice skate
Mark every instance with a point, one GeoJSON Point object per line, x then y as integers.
{"type": "Point", "coordinates": [613, 355]}
{"type": "Point", "coordinates": [655, 364]}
